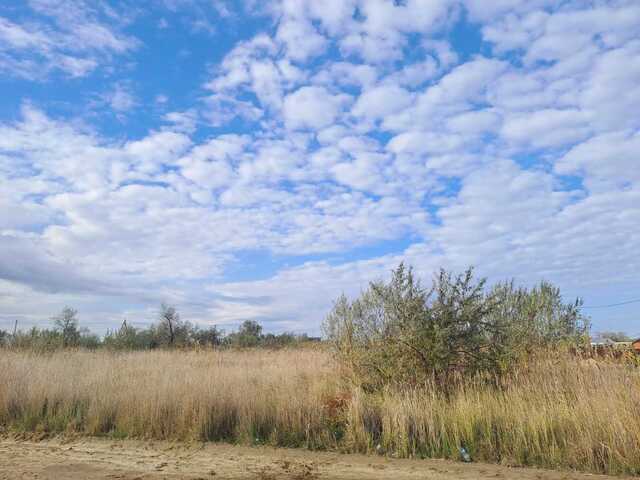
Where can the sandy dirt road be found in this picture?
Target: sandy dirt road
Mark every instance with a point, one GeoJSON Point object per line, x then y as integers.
{"type": "Point", "coordinates": [136, 460]}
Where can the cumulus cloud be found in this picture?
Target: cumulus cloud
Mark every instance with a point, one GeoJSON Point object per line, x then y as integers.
{"type": "Point", "coordinates": [312, 107]}
{"type": "Point", "coordinates": [547, 128]}
{"type": "Point", "coordinates": [301, 39]}
{"type": "Point", "coordinates": [607, 157]}
{"type": "Point", "coordinates": [378, 102]}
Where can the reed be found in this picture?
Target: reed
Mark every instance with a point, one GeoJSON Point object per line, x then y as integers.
{"type": "Point", "coordinates": [566, 414]}
{"type": "Point", "coordinates": [557, 411]}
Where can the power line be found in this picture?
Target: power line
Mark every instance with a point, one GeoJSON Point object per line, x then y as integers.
{"type": "Point", "coordinates": [614, 304]}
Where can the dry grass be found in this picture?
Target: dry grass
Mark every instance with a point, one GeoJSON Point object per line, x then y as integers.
{"type": "Point", "coordinates": [556, 414]}
{"type": "Point", "coordinates": [251, 396]}
{"type": "Point", "coordinates": [562, 413]}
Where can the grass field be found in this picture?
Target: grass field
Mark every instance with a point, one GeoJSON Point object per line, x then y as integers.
{"type": "Point", "coordinates": [557, 412]}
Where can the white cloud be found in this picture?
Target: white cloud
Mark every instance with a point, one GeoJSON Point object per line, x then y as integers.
{"type": "Point", "coordinates": [474, 122]}
{"type": "Point", "coordinates": [347, 74]}
{"type": "Point", "coordinates": [221, 108]}
{"type": "Point", "coordinates": [607, 157]}
{"type": "Point", "coordinates": [156, 150]}
{"type": "Point", "coordinates": [454, 93]}
{"type": "Point", "coordinates": [514, 32]}
{"type": "Point", "coordinates": [467, 81]}
{"type": "Point", "coordinates": [335, 15]}
{"type": "Point", "coordinates": [185, 122]}
{"type": "Point", "coordinates": [480, 10]}
{"type": "Point", "coordinates": [378, 102]}
{"type": "Point", "coordinates": [425, 142]}
{"type": "Point", "coordinates": [410, 16]}
{"type": "Point", "coordinates": [15, 36]}
{"type": "Point", "coordinates": [120, 99]}
{"type": "Point", "coordinates": [208, 174]}
{"type": "Point", "coordinates": [211, 165]}
{"type": "Point", "coordinates": [415, 74]}
{"type": "Point", "coordinates": [612, 91]}
{"type": "Point", "coordinates": [312, 107]}
{"type": "Point", "coordinates": [547, 128]}
{"type": "Point", "coordinates": [374, 49]}
{"type": "Point", "coordinates": [301, 39]}
{"type": "Point", "coordinates": [79, 39]}
{"type": "Point", "coordinates": [234, 70]}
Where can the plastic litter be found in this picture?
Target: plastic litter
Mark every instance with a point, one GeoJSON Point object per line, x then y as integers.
{"type": "Point", "coordinates": [465, 455]}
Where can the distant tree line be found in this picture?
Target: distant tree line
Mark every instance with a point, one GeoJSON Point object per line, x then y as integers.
{"type": "Point", "coordinates": [169, 331]}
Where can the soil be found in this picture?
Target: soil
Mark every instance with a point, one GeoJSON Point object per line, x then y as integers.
{"type": "Point", "coordinates": [90, 458]}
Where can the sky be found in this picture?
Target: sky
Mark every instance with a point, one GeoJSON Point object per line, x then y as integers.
{"type": "Point", "coordinates": [255, 159]}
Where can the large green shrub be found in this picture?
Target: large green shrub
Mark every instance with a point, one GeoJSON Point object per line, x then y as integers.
{"type": "Point", "coordinates": [399, 333]}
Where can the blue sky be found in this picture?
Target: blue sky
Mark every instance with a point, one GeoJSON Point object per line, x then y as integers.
{"type": "Point", "coordinates": [253, 160]}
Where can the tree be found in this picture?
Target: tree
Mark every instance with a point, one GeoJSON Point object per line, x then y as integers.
{"type": "Point", "coordinates": [170, 330]}
{"type": "Point", "coordinates": [248, 335]}
{"type": "Point", "coordinates": [169, 322]}
{"type": "Point", "coordinates": [66, 323]}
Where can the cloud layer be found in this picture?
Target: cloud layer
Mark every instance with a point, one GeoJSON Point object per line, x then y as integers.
{"type": "Point", "coordinates": [321, 148]}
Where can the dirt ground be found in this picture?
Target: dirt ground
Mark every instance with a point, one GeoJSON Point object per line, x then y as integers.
{"type": "Point", "coordinates": [136, 460]}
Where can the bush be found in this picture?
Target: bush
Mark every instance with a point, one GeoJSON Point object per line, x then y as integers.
{"type": "Point", "coordinates": [88, 340]}
{"type": "Point", "coordinates": [37, 339]}
{"type": "Point", "coordinates": [399, 333]}
{"type": "Point", "coordinates": [127, 337]}
{"type": "Point", "coordinates": [539, 317]}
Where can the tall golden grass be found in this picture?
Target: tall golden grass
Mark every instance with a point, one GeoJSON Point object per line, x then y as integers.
{"type": "Point", "coordinates": [556, 412]}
